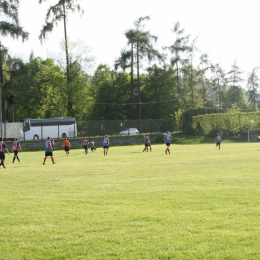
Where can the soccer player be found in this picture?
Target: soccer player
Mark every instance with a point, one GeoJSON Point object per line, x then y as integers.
{"type": "Point", "coordinates": [218, 139]}
{"type": "Point", "coordinates": [84, 144]}
{"type": "Point", "coordinates": [15, 148]}
{"type": "Point", "coordinates": [146, 143]}
{"type": "Point", "coordinates": [150, 145]}
{"type": "Point", "coordinates": [48, 151]}
{"type": "Point", "coordinates": [105, 144]}
{"type": "Point", "coordinates": [66, 145]}
{"type": "Point", "coordinates": [3, 149]}
{"type": "Point", "coordinates": [93, 148]}
{"type": "Point", "coordinates": [167, 140]}
{"type": "Point", "coordinates": [52, 144]}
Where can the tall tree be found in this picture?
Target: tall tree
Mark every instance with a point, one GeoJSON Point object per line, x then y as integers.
{"type": "Point", "coordinates": [204, 65]}
{"type": "Point", "coordinates": [56, 13]}
{"type": "Point", "coordinates": [192, 50]}
{"type": "Point", "coordinates": [235, 93]}
{"type": "Point", "coordinates": [80, 68]}
{"type": "Point", "coordinates": [10, 27]}
{"type": "Point", "coordinates": [219, 82]}
{"type": "Point", "coordinates": [252, 88]}
{"type": "Point", "coordinates": [142, 46]}
{"type": "Point", "coordinates": [179, 47]}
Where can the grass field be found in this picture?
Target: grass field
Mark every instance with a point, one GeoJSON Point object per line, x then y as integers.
{"type": "Point", "coordinates": [197, 203]}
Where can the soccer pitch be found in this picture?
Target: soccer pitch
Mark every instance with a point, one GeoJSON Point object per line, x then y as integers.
{"type": "Point", "coordinates": [197, 203]}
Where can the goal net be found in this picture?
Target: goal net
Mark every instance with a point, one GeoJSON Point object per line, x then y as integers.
{"type": "Point", "coordinates": [253, 135]}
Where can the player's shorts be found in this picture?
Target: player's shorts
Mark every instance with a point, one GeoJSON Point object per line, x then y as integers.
{"type": "Point", "coordinates": [146, 145]}
{"type": "Point", "coordinates": [218, 143]}
{"type": "Point", "coordinates": [66, 148]}
{"type": "Point", "coordinates": [85, 147]}
{"type": "Point", "coordinates": [168, 144]}
{"type": "Point", "coordinates": [93, 148]}
{"type": "Point", "coordinates": [105, 147]}
{"type": "Point", "coordinates": [2, 155]}
{"type": "Point", "coordinates": [15, 152]}
{"type": "Point", "coordinates": [48, 154]}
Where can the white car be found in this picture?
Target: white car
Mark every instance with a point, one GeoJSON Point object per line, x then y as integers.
{"type": "Point", "coordinates": [129, 131]}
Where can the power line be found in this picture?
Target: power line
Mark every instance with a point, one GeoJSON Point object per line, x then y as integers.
{"type": "Point", "coordinates": [98, 103]}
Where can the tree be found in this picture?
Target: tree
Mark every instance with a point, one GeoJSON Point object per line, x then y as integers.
{"type": "Point", "coordinates": [39, 89]}
{"type": "Point", "coordinates": [159, 93]}
{"type": "Point", "coordinates": [192, 50]}
{"type": "Point", "coordinates": [111, 94]}
{"type": "Point", "coordinates": [15, 70]}
{"type": "Point", "coordinates": [204, 65]}
{"type": "Point", "coordinates": [235, 93]}
{"type": "Point", "coordinates": [253, 86]}
{"type": "Point", "coordinates": [56, 13]}
{"type": "Point", "coordinates": [10, 27]}
{"type": "Point", "coordinates": [179, 46]}
{"type": "Point", "coordinates": [123, 60]}
{"type": "Point", "coordinates": [141, 44]}
{"type": "Point", "coordinates": [80, 67]}
{"type": "Point", "coordinates": [219, 82]}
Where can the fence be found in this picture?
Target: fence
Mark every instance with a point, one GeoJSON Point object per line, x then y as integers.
{"type": "Point", "coordinates": [91, 128]}
{"type": "Point", "coordinates": [233, 124]}
{"type": "Point", "coordinates": [11, 130]}
{"type": "Point", "coordinates": [114, 127]}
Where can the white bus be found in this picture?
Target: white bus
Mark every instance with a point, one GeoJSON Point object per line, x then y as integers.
{"type": "Point", "coordinates": [58, 127]}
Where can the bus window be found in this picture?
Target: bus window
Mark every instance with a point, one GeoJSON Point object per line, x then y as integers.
{"type": "Point", "coordinates": [26, 126]}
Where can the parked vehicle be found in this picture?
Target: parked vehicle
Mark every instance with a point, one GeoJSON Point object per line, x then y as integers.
{"type": "Point", "coordinates": [58, 127]}
{"type": "Point", "coordinates": [129, 131]}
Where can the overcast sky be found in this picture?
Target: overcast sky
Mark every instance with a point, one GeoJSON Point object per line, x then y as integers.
{"type": "Point", "coordinates": [227, 30]}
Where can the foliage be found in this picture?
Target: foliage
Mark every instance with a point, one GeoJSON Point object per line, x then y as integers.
{"type": "Point", "coordinates": [232, 123]}
{"type": "Point", "coordinates": [55, 14]}
{"type": "Point", "coordinates": [253, 87]}
{"type": "Point", "coordinates": [160, 93]}
{"type": "Point", "coordinates": [10, 10]}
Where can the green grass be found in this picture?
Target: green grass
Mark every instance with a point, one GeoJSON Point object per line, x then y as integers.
{"type": "Point", "coordinates": [180, 138]}
{"type": "Point", "coordinates": [197, 203]}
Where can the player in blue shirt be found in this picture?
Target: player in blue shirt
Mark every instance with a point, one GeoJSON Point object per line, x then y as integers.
{"type": "Point", "coordinates": [48, 151]}
{"type": "Point", "coordinates": [167, 140]}
{"type": "Point", "coordinates": [105, 144]}
{"type": "Point", "coordinates": [218, 139]}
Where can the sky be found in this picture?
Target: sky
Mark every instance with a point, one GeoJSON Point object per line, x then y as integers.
{"type": "Point", "coordinates": [227, 30]}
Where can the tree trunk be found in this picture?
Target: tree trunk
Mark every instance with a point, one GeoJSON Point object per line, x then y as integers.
{"type": "Point", "coordinates": [67, 63]}
{"type": "Point", "coordinates": [138, 86]}
{"type": "Point", "coordinates": [132, 82]}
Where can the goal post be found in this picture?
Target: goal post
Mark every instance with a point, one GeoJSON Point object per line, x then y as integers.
{"type": "Point", "coordinates": [253, 134]}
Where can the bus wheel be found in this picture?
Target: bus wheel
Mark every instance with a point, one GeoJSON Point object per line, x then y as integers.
{"type": "Point", "coordinates": [63, 135]}
{"type": "Point", "coordinates": [36, 137]}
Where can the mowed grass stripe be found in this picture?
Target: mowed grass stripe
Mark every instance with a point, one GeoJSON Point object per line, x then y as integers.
{"type": "Point", "coordinates": [197, 203]}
